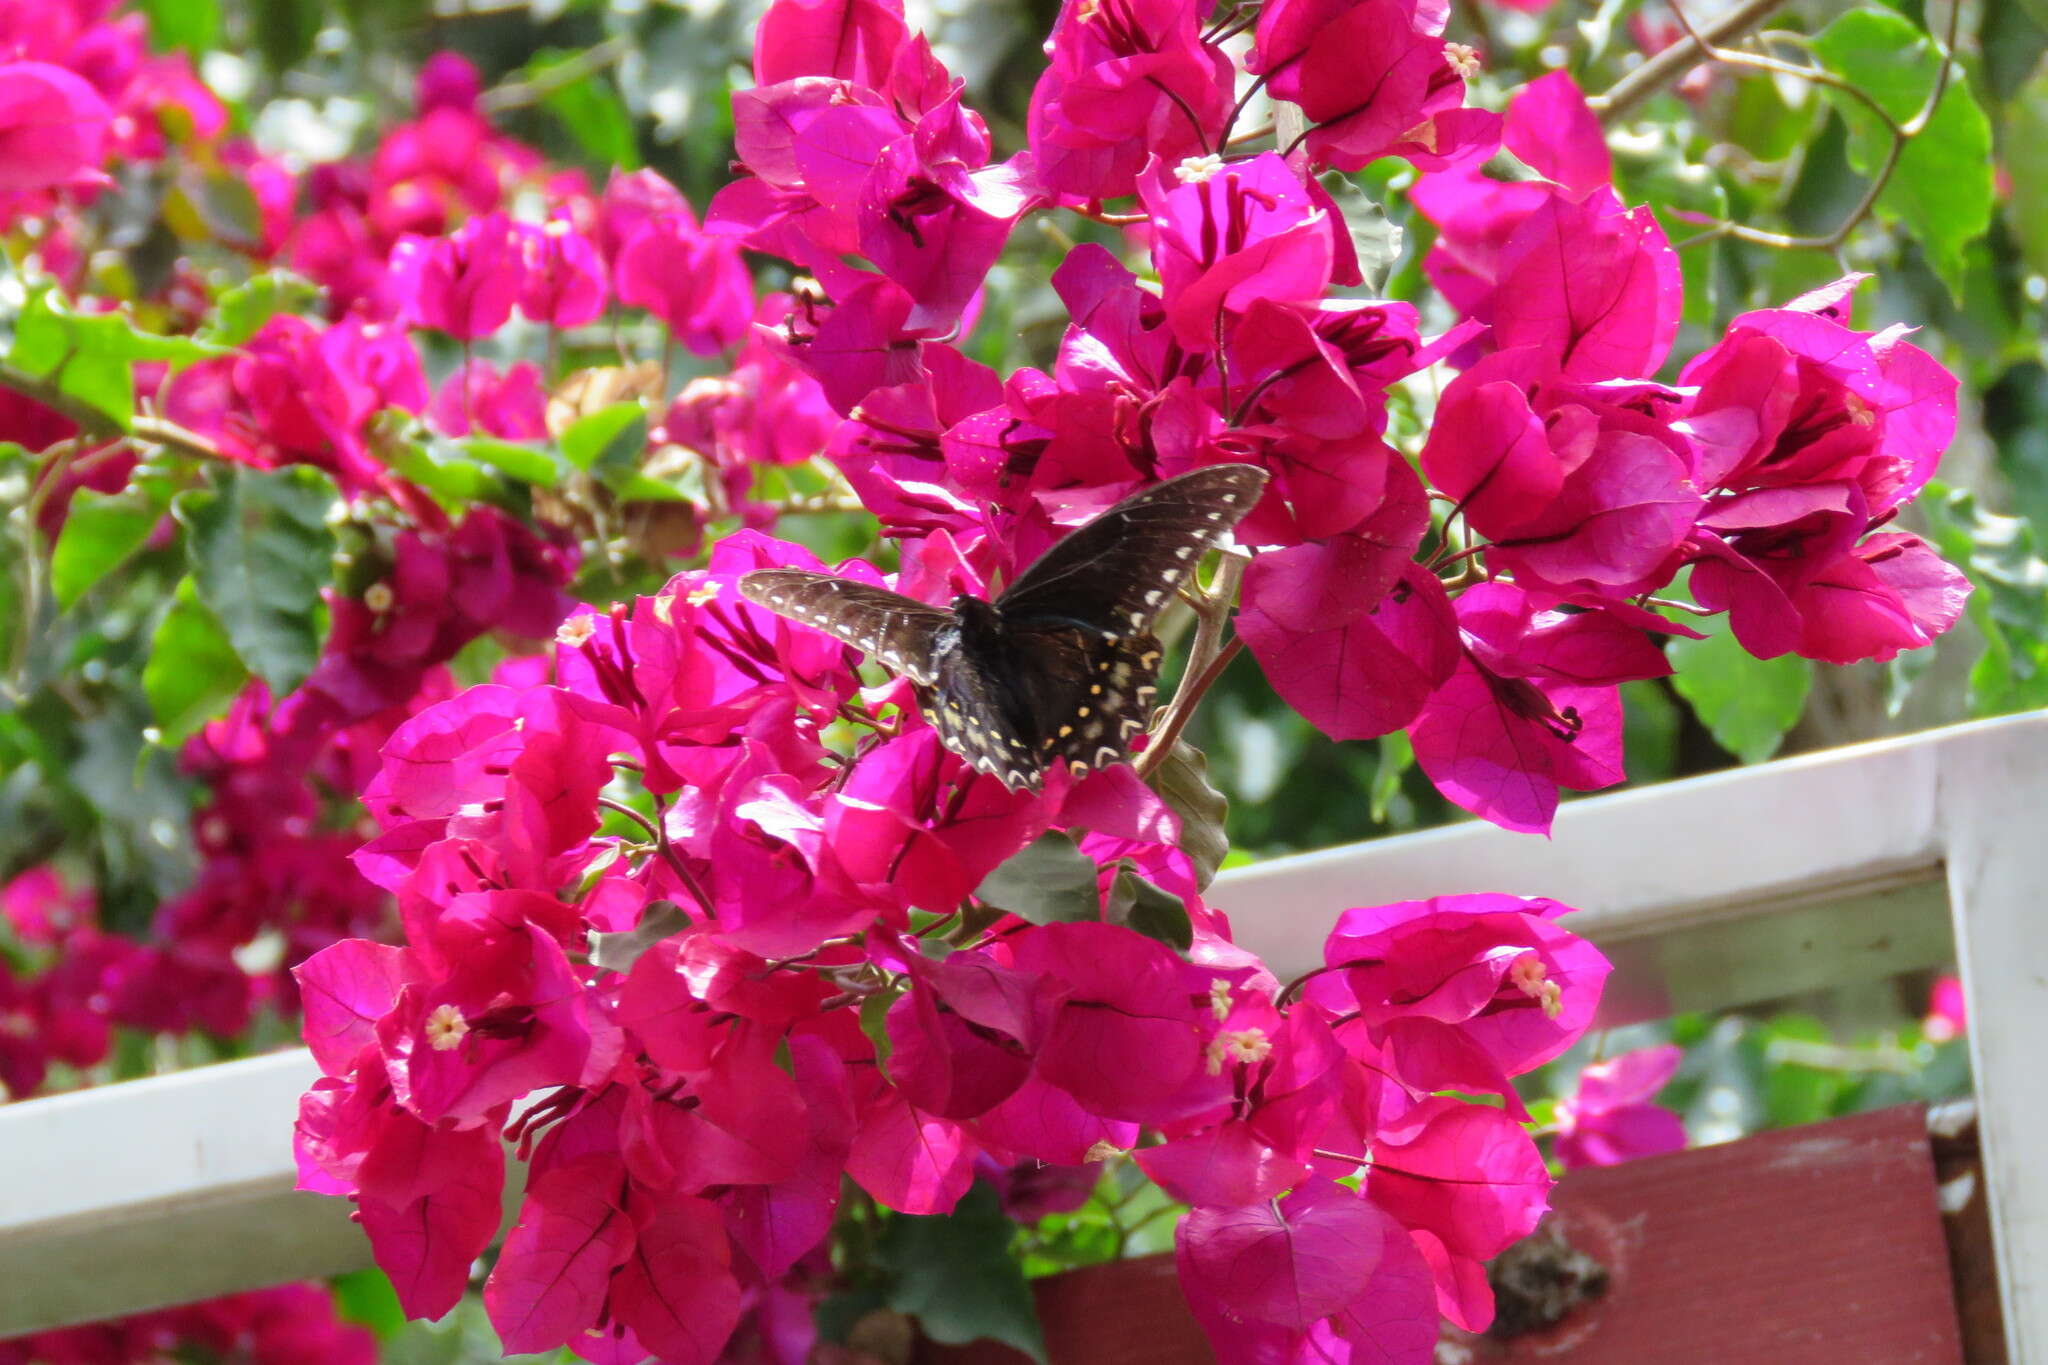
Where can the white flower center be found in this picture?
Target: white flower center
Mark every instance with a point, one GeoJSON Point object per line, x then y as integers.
{"type": "Point", "coordinates": [445, 1027]}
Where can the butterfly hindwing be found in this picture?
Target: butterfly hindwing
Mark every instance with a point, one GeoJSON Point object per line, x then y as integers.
{"type": "Point", "coordinates": [1117, 573]}
{"type": "Point", "coordinates": [900, 632]}
{"type": "Point", "coordinates": [967, 705]}
{"type": "Point", "coordinates": [1089, 697]}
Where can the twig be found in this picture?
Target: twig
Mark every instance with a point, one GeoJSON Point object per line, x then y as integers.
{"type": "Point", "coordinates": [1206, 658]}
{"type": "Point", "coordinates": [153, 430]}
{"type": "Point", "coordinates": [1674, 61]}
{"type": "Point", "coordinates": [675, 860]}
{"type": "Point", "coordinates": [520, 94]}
{"type": "Point", "coordinates": [622, 808]}
{"type": "Point", "coordinates": [1902, 133]}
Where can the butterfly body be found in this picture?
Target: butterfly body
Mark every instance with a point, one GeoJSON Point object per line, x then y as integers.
{"type": "Point", "coordinates": [1062, 668]}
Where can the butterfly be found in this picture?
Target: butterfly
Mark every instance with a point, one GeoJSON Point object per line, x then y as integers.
{"type": "Point", "coordinates": [1062, 667]}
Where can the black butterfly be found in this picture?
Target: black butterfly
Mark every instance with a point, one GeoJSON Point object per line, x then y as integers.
{"type": "Point", "coordinates": [1063, 666]}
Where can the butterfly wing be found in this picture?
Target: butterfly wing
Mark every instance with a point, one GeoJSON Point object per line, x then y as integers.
{"type": "Point", "coordinates": [967, 705]}
{"type": "Point", "coordinates": [900, 632]}
{"type": "Point", "coordinates": [1087, 696]}
{"type": "Point", "coordinates": [1115, 575]}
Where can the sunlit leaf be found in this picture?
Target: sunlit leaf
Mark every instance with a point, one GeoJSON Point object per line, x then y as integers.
{"type": "Point", "coordinates": [193, 671]}
{"type": "Point", "coordinates": [260, 550]}
{"type": "Point", "coordinates": [1941, 189]}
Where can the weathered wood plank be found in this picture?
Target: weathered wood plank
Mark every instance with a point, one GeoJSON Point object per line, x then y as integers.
{"type": "Point", "coordinates": [1818, 1244]}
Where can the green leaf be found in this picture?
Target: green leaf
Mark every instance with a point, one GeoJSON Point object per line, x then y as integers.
{"type": "Point", "coordinates": [528, 464]}
{"type": "Point", "coordinates": [1941, 190]}
{"type": "Point", "coordinates": [874, 1022]}
{"type": "Point", "coordinates": [193, 25]}
{"type": "Point", "coordinates": [241, 311]}
{"type": "Point", "coordinates": [285, 30]}
{"type": "Point", "coordinates": [1150, 909]}
{"type": "Point", "coordinates": [260, 550]}
{"type": "Point", "coordinates": [2012, 41]}
{"type": "Point", "coordinates": [101, 531]}
{"type": "Point", "coordinates": [607, 444]}
{"type": "Point", "coordinates": [1748, 703]}
{"type": "Point", "coordinates": [618, 952]}
{"type": "Point", "coordinates": [90, 357]}
{"type": "Point", "coordinates": [2009, 604]}
{"type": "Point", "coordinates": [2025, 149]}
{"type": "Point", "coordinates": [596, 117]}
{"type": "Point", "coordinates": [441, 468]}
{"type": "Point", "coordinates": [1762, 123]}
{"type": "Point", "coordinates": [213, 203]}
{"type": "Point", "coordinates": [1375, 237]}
{"type": "Point", "coordinates": [1397, 756]}
{"type": "Point", "coordinates": [193, 671]}
{"type": "Point", "coordinates": [366, 1298]}
{"type": "Point", "coordinates": [1047, 881]}
{"type": "Point", "coordinates": [955, 1274]}
{"type": "Point", "coordinates": [1182, 781]}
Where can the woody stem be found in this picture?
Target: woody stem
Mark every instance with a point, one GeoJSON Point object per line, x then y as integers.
{"type": "Point", "coordinates": [1207, 658]}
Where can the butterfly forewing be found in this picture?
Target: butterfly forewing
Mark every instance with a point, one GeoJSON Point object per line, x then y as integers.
{"type": "Point", "coordinates": [1117, 573]}
{"type": "Point", "coordinates": [899, 631]}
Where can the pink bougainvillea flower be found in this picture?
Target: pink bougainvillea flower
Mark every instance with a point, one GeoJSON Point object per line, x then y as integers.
{"type": "Point", "coordinates": [42, 909]}
{"type": "Point", "coordinates": [53, 129]}
{"type": "Point", "coordinates": [465, 284]}
{"type": "Point", "coordinates": [565, 275]}
{"type": "Point", "coordinates": [1494, 970]}
{"type": "Point", "coordinates": [431, 1198]}
{"type": "Point", "coordinates": [1550, 127]}
{"type": "Point", "coordinates": [1469, 1181]}
{"type": "Point", "coordinates": [1829, 404]}
{"type": "Point", "coordinates": [1126, 998]}
{"type": "Point", "coordinates": [1323, 1274]}
{"type": "Point", "coordinates": [1611, 1118]}
{"type": "Point", "coordinates": [1781, 562]}
{"type": "Point", "coordinates": [1128, 81]}
{"type": "Point", "coordinates": [1947, 1010]}
{"type": "Point", "coordinates": [1228, 235]}
{"type": "Point", "coordinates": [934, 216]}
{"type": "Point", "coordinates": [1580, 489]}
{"type": "Point", "coordinates": [1533, 705]}
{"type": "Point", "coordinates": [852, 40]}
{"type": "Point", "coordinates": [1354, 667]}
{"type": "Point", "coordinates": [1594, 285]}
{"type": "Point", "coordinates": [448, 80]}
{"type": "Point", "coordinates": [694, 282]}
{"type": "Point", "coordinates": [511, 405]}
{"type": "Point", "coordinates": [1375, 78]}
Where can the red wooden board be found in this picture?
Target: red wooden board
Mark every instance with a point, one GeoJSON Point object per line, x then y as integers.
{"type": "Point", "coordinates": [1821, 1245]}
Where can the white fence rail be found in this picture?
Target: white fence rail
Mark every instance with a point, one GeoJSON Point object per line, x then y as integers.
{"type": "Point", "coordinates": [1849, 865]}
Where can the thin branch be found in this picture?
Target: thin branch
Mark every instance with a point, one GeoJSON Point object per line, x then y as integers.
{"type": "Point", "coordinates": [675, 859]}
{"type": "Point", "coordinates": [520, 94]}
{"type": "Point", "coordinates": [152, 430]}
{"type": "Point", "coordinates": [635, 816]}
{"type": "Point", "coordinates": [1902, 133]}
{"type": "Point", "coordinates": [1674, 61]}
{"type": "Point", "coordinates": [1183, 709]}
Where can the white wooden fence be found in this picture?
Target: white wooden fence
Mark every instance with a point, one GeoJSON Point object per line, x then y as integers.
{"type": "Point", "coordinates": [1848, 865]}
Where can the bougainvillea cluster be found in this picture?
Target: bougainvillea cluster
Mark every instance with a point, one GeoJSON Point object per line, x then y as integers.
{"type": "Point", "coordinates": [696, 915]}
